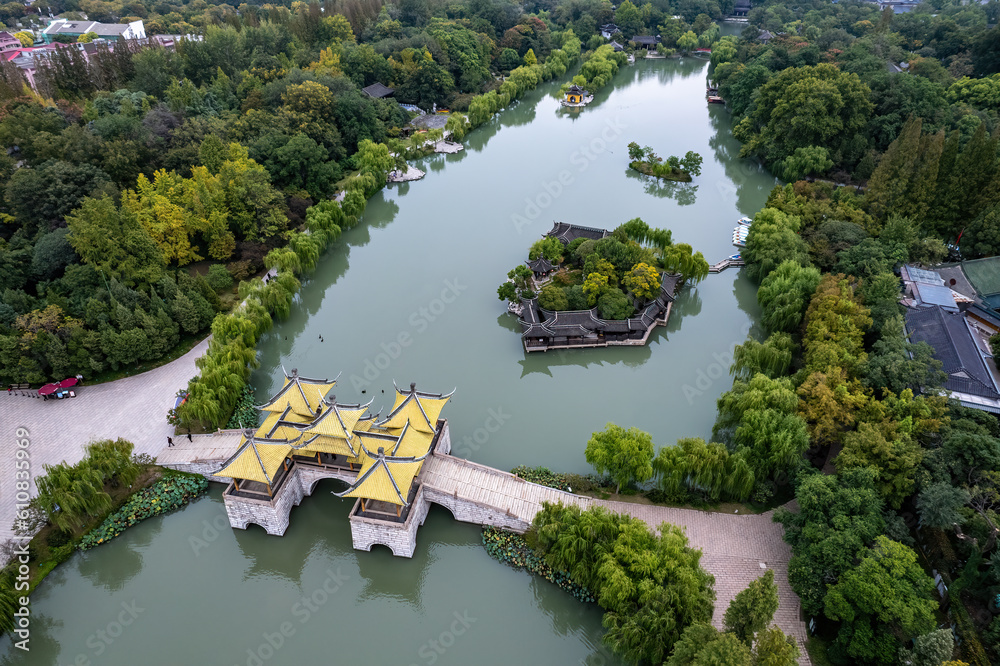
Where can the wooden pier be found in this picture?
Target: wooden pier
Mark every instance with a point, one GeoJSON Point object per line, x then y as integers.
{"type": "Point", "coordinates": [726, 263]}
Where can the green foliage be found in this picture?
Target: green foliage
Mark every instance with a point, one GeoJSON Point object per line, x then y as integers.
{"type": "Point", "coordinates": [772, 241]}
{"type": "Point", "coordinates": [651, 586]}
{"type": "Point", "coordinates": [553, 298]}
{"type": "Point", "coordinates": [219, 278]}
{"type": "Point", "coordinates": [614, 304]}
{"type": "Point", "coordinates": [626, 455]}
{"type": "Point", "coordinates": [165, 495]}
{"type": "Point", "coordinates": [513, 550]}
{"type": "Point", "coordinates": [549, 247]}
{"type": "Point", "coordinates": [245, 415]}
{"type": "Point", "coordinates": [784, 293]}
{"type": "Point", "coordinates": [931, 649]}
{"type": "Point", "coordinates": [752, 609]}
{"type": "Point", "coordinates": [838, 518]}
{"type": "Point", "coordinates": [542, 476]}
{"type": "Point", "coordinates": [643, 281]}
{"type": "Point", "coordinates": [709, 468]}
{"type": "Point", "coordinates": [885, 596]}
{"type": "Point", "coordinates": [771, 358]}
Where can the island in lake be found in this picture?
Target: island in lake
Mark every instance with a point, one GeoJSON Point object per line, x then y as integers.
{"type": "Point", "coordinates": [588, 287]}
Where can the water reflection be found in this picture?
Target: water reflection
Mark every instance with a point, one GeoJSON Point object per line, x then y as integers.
{"type": "Point", "coordinates": [45, 648]}
{"type": "Point", "coordinates": [684, 193]}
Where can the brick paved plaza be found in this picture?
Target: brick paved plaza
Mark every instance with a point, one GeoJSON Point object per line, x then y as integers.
{"type": "Point", "coordinates": [134, 408]}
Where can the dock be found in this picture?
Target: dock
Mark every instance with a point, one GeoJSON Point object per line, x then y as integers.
{"type": "Point", "coordinates": [726, 263]}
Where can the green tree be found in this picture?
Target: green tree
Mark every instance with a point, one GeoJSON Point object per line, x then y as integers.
{"type": "Point", "coordinates": [687, 42]}
{"type": "Point", "coordinates": [885, 598]}
{"type": "Point", "coordinates": [87, 37]}
{"type": "Point", "coordinates": [549, 247]}
{"type": "Point", "coordinates": [114, 243]}
{"type": "Point", "coordinates": [773, 239]}
{"type": "Point", "coordinates": [752, 609]}
{"type": "Point", "coordinates": [805, 161]}
{"type": "Point", "coordinates": [784, 294]}
{"type": "Point", "coordinates": [553, 298]}
{"type": "Point", "coordinates": [626, 455]}
{"type": "Point", "coordinates": [774, 648]}
{"type": "Point", "coordinates": [594, 286]}
{"type": "Point", "coordinates": [628, 18]}
{"type": "Point", "coordinates": [643, 281]}
{"type": "Point", "coordinates": [614, 304]}
{"type": "Point", "coordinates": [932, 649]}
{"type": "Point", "coordinates": [771, 358]}
{"type": "Point", "coordinates": [895, 459]}
{"type": "Point", "coordinates": [530, 59]}
{"type": "Point", "coordinates": [704, 645]}
{"type": "Point", "coordinates": [939, 505]}
{"type": "Point", "coordinates": [838, 518]}
{"type": "Point", "coordinates": [708, 468]}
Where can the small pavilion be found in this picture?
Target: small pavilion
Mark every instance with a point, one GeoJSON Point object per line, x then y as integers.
{"type": "Point", "coordinates": [259, 464]}
{"type": "Point", "coordinates": [576, 95]}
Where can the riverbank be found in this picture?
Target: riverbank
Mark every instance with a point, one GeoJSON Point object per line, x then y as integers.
{"type": "Point", "coordinates": [155, 491]}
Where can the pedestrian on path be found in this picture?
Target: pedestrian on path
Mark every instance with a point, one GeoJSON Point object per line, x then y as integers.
{"type": "Point", "coordinates": [189, 436]}
{"type": "Point", "coordinates": [170, 442]}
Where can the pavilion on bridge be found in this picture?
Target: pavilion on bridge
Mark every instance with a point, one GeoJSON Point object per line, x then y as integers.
{"type": "Point", "coordinates": [307, 435]}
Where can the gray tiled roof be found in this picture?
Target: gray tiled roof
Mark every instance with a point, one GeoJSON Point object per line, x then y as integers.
{"type": "Point", "coordinates": [955, 347]}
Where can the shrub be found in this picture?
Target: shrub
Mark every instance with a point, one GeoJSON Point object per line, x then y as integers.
{"type": "Point", "coordinates": [219, 278]}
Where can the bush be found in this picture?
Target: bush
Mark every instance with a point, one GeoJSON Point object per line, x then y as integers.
{"type": "Point", "coordinates": [167, 494]}
{"type": "Point", "coordinates": [240, 270]}
{"type": "Point", "coordinates": [219, 278]}
{"type": "Point", "coordinates": [57, 538]}
{"type": "Point", "coordinates": [543, 476]}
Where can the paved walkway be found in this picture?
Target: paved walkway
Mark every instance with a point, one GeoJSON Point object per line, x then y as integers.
{"type": "Point", "coordinates": [736, 548]}
{"type": "Point", "coordinates": [134, 408]}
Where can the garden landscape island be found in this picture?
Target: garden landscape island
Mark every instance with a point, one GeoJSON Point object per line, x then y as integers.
{"type": "Point", "coordinates": [735, 400]}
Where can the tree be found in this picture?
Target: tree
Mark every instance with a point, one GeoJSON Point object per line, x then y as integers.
{"type": "Point", "coordinates": [114, 242]}
{"type": "Point", "coordinates": [771, 358]}
{"type": "Point", "coordinates": [774, 648]}
{"type": "Point", "coordinates": [939, 505]}
{"type": "Point", "coordinates": [643, 281]}
{"type": "Point", "coordinates": [708, 468]}
{"type": "Point", "coordinates": [626, 455]}
{"type": "Point", "coordinates": [895, 459]}
{"type": "Point", "coordinates": [807, 106]}
{"type": "Point", "coordinates": [885, 598]}
{"type": "Point", "coordinates": [784, 294]}
{"type": "Point", "coordinates": [687, 42]}
{"type": "Point", "coordinates": [838, 517]}
{"type": "Point", "coordinates": [930, 649]}
{"type": "Point", "coordinates": [549, 247]}
{"type": "Point", "coordinates": [628, 18]}
{"type": "Point", "coordinates": [25, 37]}
{"type": "Point", "coordinates": [704, 645]}
{"type": "Point", "coordinates": [773, 240]}
{"type": "Point", "coordinates": [87, 37]}
{"type": "Point", "coordinates": [614, 304]}
{"type": "Point", "coordinates": [594, 286]}
{"type": "Point", "coordinates": [553, 298]}
{"type": "Point", "coordinates": [752, 609]}
{"type": "Point", "coordinates": [805, 161]}
{"type": "Point", "coordinates": [529, 58]}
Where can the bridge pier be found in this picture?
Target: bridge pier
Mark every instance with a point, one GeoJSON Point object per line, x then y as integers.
{"type": "Point", "coordinates": [272, 514]}
{"type": "Point", "coordinates": [400, 537]}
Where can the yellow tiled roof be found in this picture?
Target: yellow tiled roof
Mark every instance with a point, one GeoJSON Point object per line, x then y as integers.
{"type": "Point", "coordinates": [422, 411]}
{"type": "Point", "coordinates": [323, 444]}
{"type": "Point", "coordinates": [336, 421]}
{"type": "Point", "coordinates": [256, 461]}
{"type": "Point", "coordinates": [301, 394]}
{"type": "Point", "coordinates": [385, 481]}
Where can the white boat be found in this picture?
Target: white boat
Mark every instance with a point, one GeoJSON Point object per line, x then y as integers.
{"type": "Point", "coordinates": [745, 221]}
{"type": "Point", "coordinates": [736, 257]}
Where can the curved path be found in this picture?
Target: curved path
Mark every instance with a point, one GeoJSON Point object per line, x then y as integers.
{"type": "Point", "coordinates": [736, 549]}
{"type": "Point", "coordinates": [134, 408]}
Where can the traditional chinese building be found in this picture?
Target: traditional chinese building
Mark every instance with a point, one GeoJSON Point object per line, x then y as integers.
{"type": "Point", "coordinates": [307, 436]}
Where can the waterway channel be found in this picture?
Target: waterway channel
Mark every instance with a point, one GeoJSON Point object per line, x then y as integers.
{"type": "Point", "coordinates": [410, 295]}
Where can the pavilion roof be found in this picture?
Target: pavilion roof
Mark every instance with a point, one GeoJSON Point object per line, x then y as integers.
{"type": "Point", "coordinates": [257, 459]}
{"type": "Point", "coordinates": [385, 478]}
{"type": "Point", "coordinates": [418, 408]}
{"type": "Point", "coordinates": [302, 394]}
{"type": "Point", "coordinates": [284, 425]}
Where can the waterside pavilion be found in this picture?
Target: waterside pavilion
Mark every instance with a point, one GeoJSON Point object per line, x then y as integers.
{"type": "Point", "coordinates": [307, 436]}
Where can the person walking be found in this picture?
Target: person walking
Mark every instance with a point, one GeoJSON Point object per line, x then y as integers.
{"type": "Point", "coordinates": [170, 442]}
{"type": "Point", "coordinates": [189, 436]}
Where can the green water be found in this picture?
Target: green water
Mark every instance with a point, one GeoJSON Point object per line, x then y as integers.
{"type": "Point", "coordinates": [409, 295]}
